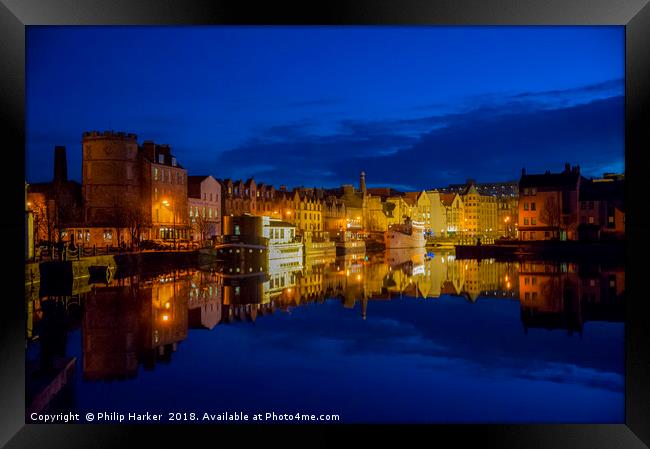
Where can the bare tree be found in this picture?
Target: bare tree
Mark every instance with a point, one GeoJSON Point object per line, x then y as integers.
{"type": "Point", "coordinates": [135, 221]}
{"type": "Point", "coordinates": [201, 226]}
{"type": "Point", "coordinates": [550, 213]}
{"type": "Point", "coordinates": [120, 219]}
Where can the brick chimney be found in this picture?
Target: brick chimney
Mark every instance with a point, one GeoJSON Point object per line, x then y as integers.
{"type": "Point", "coordinates": [60, 165]}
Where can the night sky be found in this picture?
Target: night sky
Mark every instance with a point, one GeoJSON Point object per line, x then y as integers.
{"type": "Point", "coordinates": [415, 107]}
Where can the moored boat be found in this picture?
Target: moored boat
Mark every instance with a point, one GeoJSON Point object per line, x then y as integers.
{"type": "Point", "coordinates": [409, 234]}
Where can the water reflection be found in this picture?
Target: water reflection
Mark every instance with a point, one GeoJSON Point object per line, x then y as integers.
{"type": "Point", "coordinates": [141, 321]}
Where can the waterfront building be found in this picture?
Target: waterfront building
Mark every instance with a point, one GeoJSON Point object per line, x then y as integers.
{"type": "Point", "coordinates": [131, 192]}
{"type": "Point", "coordinates": [471, 225]}
{"type": "Point", "coordinates": [164, 191]}
{"type": "Point", "coordinates": [454, 210]}
{"type": "Point", "coordinates": [204, 202]}
{"type": "Point", "coordinates": [437, 219]}
{"type": "Point", "coordinates": [548, 205]}
{"type": "Point", "coordinates": [238, 197]}
{"type": "Point", "coordinates": [56, 206]}
{"type": "Point", "coordinates": [334, 216]}
{"type": "Point", "coordinates": [488, 216]}
{"type": "Point", "coordinates": [602, 212]}
{"type": "Point", "coordinates": [420, 206]}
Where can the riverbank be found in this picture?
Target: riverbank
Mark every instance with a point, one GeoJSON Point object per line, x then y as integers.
{"type": "Point", "coordinates": [548, 250]}
{"type": "Point", "coordinates": [61, 276]}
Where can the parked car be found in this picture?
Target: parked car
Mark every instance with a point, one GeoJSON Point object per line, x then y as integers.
{"type": "Point", "coordinates": [151, 245]}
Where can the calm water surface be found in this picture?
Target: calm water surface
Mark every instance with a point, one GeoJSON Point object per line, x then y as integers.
{"type": "Point", "coordinates": [425, 339]}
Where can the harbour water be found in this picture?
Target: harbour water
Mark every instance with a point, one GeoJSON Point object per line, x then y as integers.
{"type": "Point", "coordinates": [394, 337]}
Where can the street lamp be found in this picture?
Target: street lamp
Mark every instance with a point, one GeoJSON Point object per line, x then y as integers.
{"type": "Point", "coordinates": [166, 203]}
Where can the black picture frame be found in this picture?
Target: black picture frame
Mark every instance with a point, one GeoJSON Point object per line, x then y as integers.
{"type": "Point", "coordinates": [633, 14]}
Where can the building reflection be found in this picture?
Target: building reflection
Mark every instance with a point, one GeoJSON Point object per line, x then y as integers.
{"type": "Point", "coordinates": [141, 321]}
{"type": "Point", "coordinates": [565, 295]}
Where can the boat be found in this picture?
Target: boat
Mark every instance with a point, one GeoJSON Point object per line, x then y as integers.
{"type": "Point", "coordinates": [409, 234]}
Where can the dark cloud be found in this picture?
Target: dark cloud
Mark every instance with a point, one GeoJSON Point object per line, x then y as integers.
{"type": "Point", "coordinates": [487, 143]}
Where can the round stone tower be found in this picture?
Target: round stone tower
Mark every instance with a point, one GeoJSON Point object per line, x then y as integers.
{"type": "Point", "coordinates": [110, 175]}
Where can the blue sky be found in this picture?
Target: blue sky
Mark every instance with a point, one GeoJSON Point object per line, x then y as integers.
{"type": "Point", "coordinates": [415, 107]}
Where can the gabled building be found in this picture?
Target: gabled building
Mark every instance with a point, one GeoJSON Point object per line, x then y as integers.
{"type": "Point", "coordinates": [204, 202]}
{"type": "Point", "coordinates": [454, 212]}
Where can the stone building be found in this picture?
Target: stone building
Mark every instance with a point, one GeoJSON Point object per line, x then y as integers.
{"type": "Point", "coordinates": [55, 206]}
{"type": "Point", "coordinates": [131, 192]}
{"type": "Point", "coordinates": [454, 211]}
{"type": "Point", "coordinates": [204, 203]}
{"type": "Point", "coordinates": [334, 216]}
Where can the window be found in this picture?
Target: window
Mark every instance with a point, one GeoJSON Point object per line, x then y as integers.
{"type": "Point", "coordinates": [534, 296]}
{"type": "Point", "coordinates": [533, 280]}
{"type": "Point", "coordinates": [155, 194]}
{"type": "Point", "coordinates": [155, 174]}
{"type": "Point", "coordinates": [547, 234]}
{"type": "Point", "coordinates": [209, 212]}
{"type": "Point", "coordinates": [210, 196]}
{"type": "Point", "coordinates": [591, 205]}
{"type": "Point", "coordinates": [591, 220]}
{"type": "Point", "coordinates": [525, 221]}
{"type": "Point", "coordinates": [533, 191]}
{"type": "Point", "coordinates": [533, 221]}
{"type": "Point", "coordinates": [532, 206]}
{"type": "Point", "coordinates": [108, 234]}
{"type": "Point", "coordinates": [610, 219]}
{"type": "Point", "coordinates": [532, 235]}
{"type": "Point", "coordinates": [203, 212]}
{"type": "Point", "coordinates": [525, 206]}
{"type": "Point", "coordinates": [174, 161]}
{"type": "Point", "coordinates": [583, 205]}
{"type": "Point", "coordinates": [527, 296]}
{"type": "Point", "coordinates": [236, 230]}
{"type": "Point", "coordinates": [161, 158]}
{"type": "Point", "coordinates": [282, 233]}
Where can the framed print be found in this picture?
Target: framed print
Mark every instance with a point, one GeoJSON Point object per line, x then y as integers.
{"type": "Point", "coordinates": [348, 218]}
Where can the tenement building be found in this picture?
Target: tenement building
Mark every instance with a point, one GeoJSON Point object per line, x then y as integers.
{"type": "Point", "coordinates": [204, 203]}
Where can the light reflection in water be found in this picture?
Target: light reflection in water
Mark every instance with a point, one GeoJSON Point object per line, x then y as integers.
{"type": "Point", "coordinates": [140, 321]}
